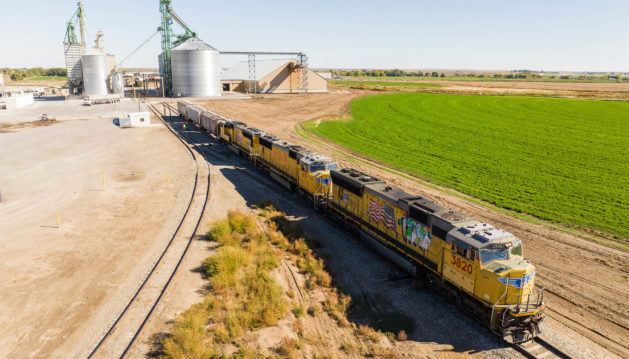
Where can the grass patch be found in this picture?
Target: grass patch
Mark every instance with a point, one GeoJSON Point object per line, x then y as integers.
{"type": "Point", "coordinates": [46, 78]}
{"type": "Point", "coordinates": [244, 297]}
{"type": "Point", "coordinates": [561, 160]}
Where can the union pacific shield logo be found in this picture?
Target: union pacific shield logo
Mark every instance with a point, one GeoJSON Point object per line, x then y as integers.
{"type": "Point", "coordinates": [518, 283]}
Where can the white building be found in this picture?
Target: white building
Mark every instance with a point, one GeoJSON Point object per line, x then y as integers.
{"type": "Point", "coordinates": [135, 119]}
{"type": "Point", "coordinates": [16, 101]}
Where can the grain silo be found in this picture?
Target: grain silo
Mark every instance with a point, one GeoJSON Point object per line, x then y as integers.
{"type": "Point", "coordinates": [95, 73]}
{"type": "Point", "coordinates": [195, 69]}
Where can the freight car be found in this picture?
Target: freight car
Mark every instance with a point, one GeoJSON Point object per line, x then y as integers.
{"type": "Point", "coordinates": [477, 266]}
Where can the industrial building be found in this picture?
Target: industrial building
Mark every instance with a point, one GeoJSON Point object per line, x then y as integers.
{"type": "Point", "coordinates": [273, 76]}
{"type": "Point", "coordinates": [90, 72]}
{"type": "Point", "coordinates": [135, 119]}
{"type": "Point", "coordinates": [188, 66]}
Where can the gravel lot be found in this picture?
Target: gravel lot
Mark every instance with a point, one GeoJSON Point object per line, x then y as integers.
{"type": "Point", "coordinates": [59, 287]}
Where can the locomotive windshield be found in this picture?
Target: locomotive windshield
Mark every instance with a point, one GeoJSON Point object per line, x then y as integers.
{"type": "Point", "coordinates": [317, 167]}
{"type": "Point", "coordinates": [501, 251]}
{"type": "Point", "coordinates": [322, 166]}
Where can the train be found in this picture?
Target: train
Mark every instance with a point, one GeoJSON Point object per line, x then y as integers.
{"type": "Point", "coordinates": [480, 268]}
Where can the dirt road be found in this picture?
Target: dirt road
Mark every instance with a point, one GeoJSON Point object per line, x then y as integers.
{"type": "Point", "coordinates": [587, 284]}
{"type": "Point", "coordinates": [60, 288]}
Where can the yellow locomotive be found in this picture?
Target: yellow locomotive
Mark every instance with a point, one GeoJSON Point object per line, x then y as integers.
{"type": "Point", "coordinates": [479, 267]}
{"type": "Point", "coordinates": [293, 166]}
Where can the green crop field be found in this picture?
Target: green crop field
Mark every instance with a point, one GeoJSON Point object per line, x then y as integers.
{"type": "Point", "coordinates": [47, 78]}
{"type": "Point", "coordinates": [562, 160]}
{"type": "Point", "coordinates": [383, 84]}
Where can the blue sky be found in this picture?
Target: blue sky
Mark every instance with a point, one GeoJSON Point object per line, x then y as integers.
{"type": "Point", "coordinates": [550, 35]}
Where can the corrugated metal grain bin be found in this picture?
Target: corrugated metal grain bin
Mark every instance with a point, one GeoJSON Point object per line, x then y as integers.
{"type": "Point", "coordinates": [195, 69]}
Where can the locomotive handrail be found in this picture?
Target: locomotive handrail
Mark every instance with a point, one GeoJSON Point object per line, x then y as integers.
{"type": "Point", "coordinates": [496, 305]}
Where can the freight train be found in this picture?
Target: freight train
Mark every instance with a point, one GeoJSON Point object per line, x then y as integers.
{"type": "Point", "coordinates": [477, 266]}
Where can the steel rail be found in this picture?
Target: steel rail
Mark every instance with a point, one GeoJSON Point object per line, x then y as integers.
{"type": "Point", "coordinates": [158, 262]}
{"type": "Point", "coordinates": [207, 195]}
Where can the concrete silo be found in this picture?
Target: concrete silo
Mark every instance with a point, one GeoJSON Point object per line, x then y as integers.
{"type": "Point", "coordinates": [195, 69]}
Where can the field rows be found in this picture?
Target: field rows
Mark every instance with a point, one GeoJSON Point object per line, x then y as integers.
{"type": "Point", "coordinates": [561, 160]}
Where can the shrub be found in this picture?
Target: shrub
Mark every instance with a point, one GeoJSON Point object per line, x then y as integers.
{"type": "Point", "coordinates": [219, 230]}
{"type": "Point", "coordinates": [188, 337]}
{"type": "Point", "coordinates": [401, 335]}
{"type": "Point", "coordinates": [237, 221]}
{"type": "Point", "coordinates": [369, 333]}
{"type": "Point", "coordinates": [300, 247]}
{"type": "Point", "coordinates": [313, 310]}
{"type": "Point", "coordinates": [244, 352]}
{"type": "Point", "coordinates": [222, 267]}
{"type": "Point", "coordinates": [348, 348]}
{"type": "Point", "coordinates": [298, 311]}
{"type": "Point", "coordinates": [288, 348]}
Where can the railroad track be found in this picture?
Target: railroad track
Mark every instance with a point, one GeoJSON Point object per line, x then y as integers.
{"type": "Point", "coordinates": [539, 348]}
{"type": "Point", "coordinates": [136, 314]}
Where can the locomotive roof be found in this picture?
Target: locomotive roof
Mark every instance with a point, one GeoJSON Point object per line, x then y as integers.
{"type": "Point", "coordinates": [298, 152]}
{"type": "Point", "coordinates": [479, 235]}
{"type": "Point", "coordinates": [316, 158]}
{"type": "Point", "coordinates": [231, 123]}
{"type": "Point", "coordinates": [253, 131]}
{"type": "Point", "coordinates": [390, 194]}
{"type": "Point", "coordinates": [278, 142]}
{"type": "Point", "coordinates": [360, 180]}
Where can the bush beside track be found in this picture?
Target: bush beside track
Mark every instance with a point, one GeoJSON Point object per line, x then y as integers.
{"type": "Point", "coordinates": [562, 160]}
{"type": "Point", "coordinates": [243, 296]}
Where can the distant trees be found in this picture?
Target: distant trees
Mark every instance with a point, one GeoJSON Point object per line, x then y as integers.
{"type": "Point", "coordinates": [24, 73]}
{"type": "Point", "coordinates": [57, 71]}
{"type": "Point", "coordinates": [520, 74]}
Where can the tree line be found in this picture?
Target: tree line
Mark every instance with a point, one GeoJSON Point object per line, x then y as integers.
{"type": "Point", "coordinates": [385, 73]}
{"type": "Point", "coordinates": [21, 74]}
{"type": "Point", "coordinates": [515, 75]}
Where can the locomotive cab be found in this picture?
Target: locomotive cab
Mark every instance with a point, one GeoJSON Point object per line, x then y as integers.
{"type": "Point", "coordinates": [314, 176]}
{"type": "Point", "coordinates": [505, 281]}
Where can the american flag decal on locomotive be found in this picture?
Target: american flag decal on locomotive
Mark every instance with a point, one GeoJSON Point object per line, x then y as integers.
{"type": "Point", "coordinates": [382, 213]}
